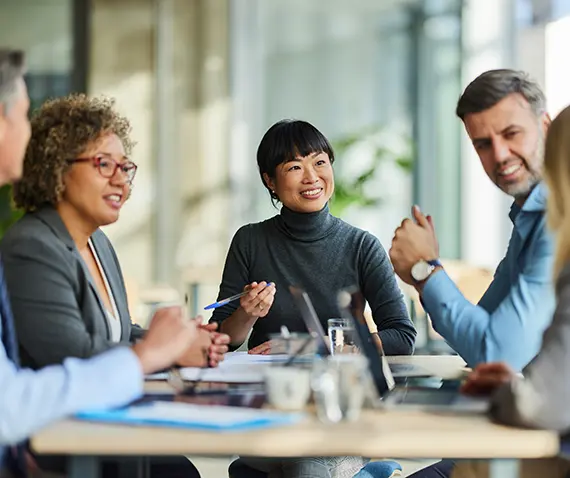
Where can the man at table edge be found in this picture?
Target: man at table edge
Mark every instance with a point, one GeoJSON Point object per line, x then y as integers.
{"type": "Point", "coordinates": [504, 114]}
{"type": "Point", "coordinates": [32, 399]}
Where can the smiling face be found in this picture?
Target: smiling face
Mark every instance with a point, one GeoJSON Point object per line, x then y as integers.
{"type": "Point", "coordinates": [509, 139]}
{"type": "Point", "coordinates": [303, 184]}
{"type": "Point", "coordinates": [90, 197]}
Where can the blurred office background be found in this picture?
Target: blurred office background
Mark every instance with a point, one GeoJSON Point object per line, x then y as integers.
{"type": "Point", "coordinates": [201, 80]}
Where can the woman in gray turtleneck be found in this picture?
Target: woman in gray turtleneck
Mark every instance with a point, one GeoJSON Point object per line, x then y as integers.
{"type": "Point", "coordinates": [306, 246]}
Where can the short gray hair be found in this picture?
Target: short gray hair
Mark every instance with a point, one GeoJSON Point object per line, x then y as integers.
{"type": "Point", "coordinates": [11, 68]}
{"type": "Point", "coordinates": [489, 88]}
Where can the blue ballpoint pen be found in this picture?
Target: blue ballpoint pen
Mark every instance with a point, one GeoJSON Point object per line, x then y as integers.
{"type": "Point", "coordinates": [223, 302]}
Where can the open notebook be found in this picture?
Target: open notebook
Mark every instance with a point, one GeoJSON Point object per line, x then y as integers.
{"type": "Point", "coordinates": [183, 415]}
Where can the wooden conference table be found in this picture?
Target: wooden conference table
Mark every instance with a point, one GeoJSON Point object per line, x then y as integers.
{"type": "Point", "coordinates": [377, 433]}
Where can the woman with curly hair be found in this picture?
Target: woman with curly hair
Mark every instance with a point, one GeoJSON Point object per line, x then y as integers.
{"type": "Point", "coordinates": [63, 276]}
{"type": "Point", "coordinates": [64, 279]}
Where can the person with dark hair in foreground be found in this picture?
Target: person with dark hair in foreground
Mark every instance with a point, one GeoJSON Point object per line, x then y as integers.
{"type": "Point", "coordinates": [32, 399]}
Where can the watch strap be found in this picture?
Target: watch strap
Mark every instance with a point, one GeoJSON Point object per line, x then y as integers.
{"type": "Point", "coordinates": [435, 263]}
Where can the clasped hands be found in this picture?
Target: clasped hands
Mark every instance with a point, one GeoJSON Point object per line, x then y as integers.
{"type": "Point", "coordinates": [207, 349]}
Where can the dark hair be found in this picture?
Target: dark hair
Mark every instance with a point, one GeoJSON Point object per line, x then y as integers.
{"type": "Point", "coordinates": [489, 88]}
{"type": "Point", "coordinates": [11, 68]}
{"type": "Point", "coordinates": [61, 129]}
{"type": "Point", "coordinates": [286, 140]}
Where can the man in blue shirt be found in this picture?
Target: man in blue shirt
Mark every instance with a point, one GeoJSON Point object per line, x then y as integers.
{"type": "Point", "coordinates": [29, 400]}
{"type": "Point", "coordinates": [504, 114]}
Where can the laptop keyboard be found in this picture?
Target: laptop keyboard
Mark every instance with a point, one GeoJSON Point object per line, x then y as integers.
{"type": "Point", "coordinates": [428, 397]}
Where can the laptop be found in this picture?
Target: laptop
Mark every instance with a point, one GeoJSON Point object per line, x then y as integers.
{"type": "Point", "coordinates": [387, 393]}
{"type": "Point", "coordinates": [311, 319]}
{"type": "Point", "coordinates": [313, 324]}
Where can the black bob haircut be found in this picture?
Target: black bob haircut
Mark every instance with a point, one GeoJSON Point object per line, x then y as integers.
{"type": "Point", "coordinates": [286, 140]}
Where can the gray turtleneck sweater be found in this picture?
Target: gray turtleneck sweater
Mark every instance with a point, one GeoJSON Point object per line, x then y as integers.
{"type": "Point", "coordinates": [322, 254]}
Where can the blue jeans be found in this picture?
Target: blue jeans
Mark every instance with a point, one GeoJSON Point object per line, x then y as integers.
{"type": "Point", "coordinates": [441, 469]}
{"type": "Point", "coordinates": [314, 467]}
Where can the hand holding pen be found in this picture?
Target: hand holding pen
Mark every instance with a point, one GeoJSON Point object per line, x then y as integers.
{"type": "Point", "coordinates": [256, 299]}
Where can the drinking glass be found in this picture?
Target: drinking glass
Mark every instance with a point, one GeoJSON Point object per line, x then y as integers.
{"type": "Point", "coordinates": [342, 336]}
{"type": "Point", "coordinates": [340, 385]}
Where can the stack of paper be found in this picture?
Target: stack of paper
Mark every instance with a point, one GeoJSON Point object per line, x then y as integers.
{"type": "Point", "coordinates": [233, 358]}
{"type": "Point", "coordinates": [237, 367]}
{"type": "Point", "coordinates": [226, 374]}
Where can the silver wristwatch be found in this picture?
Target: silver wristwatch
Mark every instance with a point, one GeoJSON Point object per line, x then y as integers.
{"type": "Point", "coordinates": [421, 270]}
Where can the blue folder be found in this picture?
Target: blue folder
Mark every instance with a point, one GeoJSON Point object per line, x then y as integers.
{"type": "Point", "coordinates": [200, 417]}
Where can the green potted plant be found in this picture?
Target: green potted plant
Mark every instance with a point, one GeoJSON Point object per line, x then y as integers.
{"type": "Point", "coordinates": [352, 191]}
{"type": "Point", "coordinates": [8, 213]}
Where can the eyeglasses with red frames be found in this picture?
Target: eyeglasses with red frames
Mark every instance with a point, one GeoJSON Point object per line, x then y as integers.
{"type": "Point", "coordinates": [107, 166]}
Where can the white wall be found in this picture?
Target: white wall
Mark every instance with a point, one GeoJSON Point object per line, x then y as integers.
{"type": "Point", "coordinates": [122, 67]}
{"type": "Point", "coordinates": [488, 35]}
{"type": "Point", "coordinates": [42, 29]}
{"type": "Point", "coordinates": [556, 64]}
{"type": "Point", "coordinates": [336, 64]}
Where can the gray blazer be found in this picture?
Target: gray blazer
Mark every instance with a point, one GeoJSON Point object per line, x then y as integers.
{"type": "Point", "coordinates": [542, 398]}
{"type": "Point", "coordinates": [58, 312]}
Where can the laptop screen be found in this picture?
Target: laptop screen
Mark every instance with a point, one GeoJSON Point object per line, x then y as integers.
{"type": "Point", "coordinates": [311, 319]}
{"type": "Point", "coordinates": [351, 304]}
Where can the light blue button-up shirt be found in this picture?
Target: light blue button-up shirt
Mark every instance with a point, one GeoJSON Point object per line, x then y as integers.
{"type": "Point", "coordinates": [508, 322]}
{"type": "Point", "coordinates": [30, 400]}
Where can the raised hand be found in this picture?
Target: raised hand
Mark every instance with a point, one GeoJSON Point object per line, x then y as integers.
{"type": "Point", "coordinates": [413, 241]}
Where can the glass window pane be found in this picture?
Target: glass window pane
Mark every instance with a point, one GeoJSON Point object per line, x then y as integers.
{"type": "Point", "coordinates": [345, 67]}
{"type": "Point", "coordinates": [43, 30]}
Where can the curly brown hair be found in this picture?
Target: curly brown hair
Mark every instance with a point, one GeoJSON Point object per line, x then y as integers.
{"type": "Point", "coordinates": [62, 129]}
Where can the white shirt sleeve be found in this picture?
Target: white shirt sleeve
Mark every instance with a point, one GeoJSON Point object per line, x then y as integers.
{"type": "Point", "coordinates": [31, 399]}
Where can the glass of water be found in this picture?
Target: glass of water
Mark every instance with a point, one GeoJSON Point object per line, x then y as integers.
{"type": "Point", "coordinates": [341, 336]}
{"type": "Point", "coordinates": [340, 385]}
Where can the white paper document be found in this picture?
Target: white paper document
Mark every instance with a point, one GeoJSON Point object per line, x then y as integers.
{"type": "Point", "coordinates": [237, 367]}
{"type": "Point", "coordinates": [241, 367]}
{"type": "Point", "coordinates": [233, 358]}
{"type": "Point", "coordinates": [231, 374]}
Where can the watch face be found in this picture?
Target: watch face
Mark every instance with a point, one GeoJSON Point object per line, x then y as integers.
{"type": "Point", "coordinates": [421, 271]}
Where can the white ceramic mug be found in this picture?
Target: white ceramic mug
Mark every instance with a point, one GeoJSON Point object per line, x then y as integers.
{"type": "Point", "coordinates": [287, 388]}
